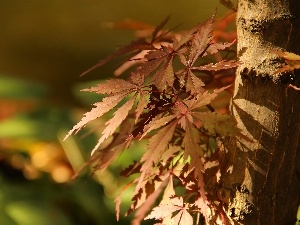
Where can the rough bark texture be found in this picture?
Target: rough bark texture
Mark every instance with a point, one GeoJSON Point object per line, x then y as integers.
{"type": "Point", "coordinates": [263, 184]}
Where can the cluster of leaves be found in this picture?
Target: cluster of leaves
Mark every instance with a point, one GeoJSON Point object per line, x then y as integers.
{"type": "Point", "coordinates": [169, 105]}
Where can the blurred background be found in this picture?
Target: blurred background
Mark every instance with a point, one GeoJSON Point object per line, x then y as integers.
{"type": "Point", "coordinates": [44, 47]}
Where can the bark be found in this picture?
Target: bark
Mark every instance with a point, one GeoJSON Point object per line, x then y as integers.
{"type": "Point", "coordinates": [262, 186]}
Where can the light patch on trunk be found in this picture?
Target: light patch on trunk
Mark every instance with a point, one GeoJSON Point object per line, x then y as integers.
{"type": "Point", "coordinates": [263, 115]}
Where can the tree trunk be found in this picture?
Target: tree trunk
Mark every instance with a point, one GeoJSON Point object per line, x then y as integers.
{"type": "Point", "coordinates": [263, 184]}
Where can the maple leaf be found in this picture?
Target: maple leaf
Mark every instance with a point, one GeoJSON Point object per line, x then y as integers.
{"type": "Point", "coordinates": [142, 104]}
{"type": "Point", "coordinates": [194, 84]}
{"type": "Point", "coordinates": [201, 40]}
{"type": "Point", "coordinates": [150, 200]}
{"type": "Point", "coordinates": [195, 152]}
{"type": "Point", "coordinates": [156, 146]}
{"type": "Point", "coordinates": [203, 99]}
{"type": "Point", "coordinates": [115, 122]}
{"type": "Point", "coordinates": [170, 153]}
{"type": "Point", "coordinates": [118, 199]}
{"type": "Point", "coordinates": [169, 193]}
{"type": "Point", "coordinates": [102, 107]}
{"type": "Point", "coordinates": [189, 34]}
{"type": "Point", "coordinates": [156, 123]}
{"type": "Point", "coordinates": [173, 107]}
{"type": "Point", "coordinates": [164, 210]}
{"type": "Point", "coordinates": [164, 76]}
{"type": "Point", "coordinates": [183, 218]}
{"type": "Point", "coordinates": [152, 61]}
{"type": "Point", "coordinates": [191, 145]}
{"type": "Point", "coordinates": [137, 79]}
{"type": "Point", "coordinates": [216, 47]}
{"type": "Point", "coordinates": [112, 86]}
{"type": "Point", "coordinates": [104, 157]}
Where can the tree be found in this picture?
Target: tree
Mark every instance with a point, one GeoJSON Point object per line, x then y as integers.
{"type": "Point", "coordinates": [249, 177]}
{"type": "Point", "coordinates": [267, 170]}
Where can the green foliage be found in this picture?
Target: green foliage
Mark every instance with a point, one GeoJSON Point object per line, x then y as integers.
{"type": "Point", "coordinates": [31, 157]}
{"type": "Point", "coordinates": [168, 104]}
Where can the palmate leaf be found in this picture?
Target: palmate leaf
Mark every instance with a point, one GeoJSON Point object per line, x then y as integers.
{"type": "Point", "coordinates": [152, 61]}
{"type": "Point", "coordinates": [183, 218]}
{"type": "Point", "coordinates": [194, 84]}
{"type": "Point", "coordinates": [189, 34]}
{"type": "Point", "coordinates": [112, 86]}
{"type": "Point", "coordinates": [201, 40]}
{"type": "Point", "coordinates": [169, 192]}
{"type": "Point", "coordinates": [137, 79]}
{"type": "Point", "coordinates": [216, 47]}
{"type": "Point", "coordinates": [104, 157]}
{"type": "Point", "coordinates": [170, 153]}
{"type": "Point", "coordinates": [171, 110]}
{"type": "Point", "coordinates": [159, 62]}
{"type": "Point", "coordinates": [115, 122]}
{"type": "Point", "coordinates": [203, 99]}
{"type": "Point", "coordinates": [156, 123]}
{"type": "Point", "coordinates": [156, 146]}
{"type": "Point", "coordinates": [151, 199]}
{"type": "Point", "coordinates": [192, 148]}
{"type": "Point", "coordinates": [142, 104]}
{"type": "Point", "coordinates": [195, 152]}
{"type": "Point", "coordinates": [102, 107]}
{"type": "Point", "coordinates": [165, 210]}
{"type": "Point", "coordinates": [164, 77]}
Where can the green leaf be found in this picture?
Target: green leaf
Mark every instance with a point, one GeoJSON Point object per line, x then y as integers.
{"type": "Point", "coordinates": [14, 88]}
{"type": "Point", "coordinates": [33, 213]}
